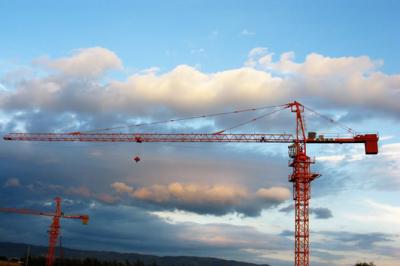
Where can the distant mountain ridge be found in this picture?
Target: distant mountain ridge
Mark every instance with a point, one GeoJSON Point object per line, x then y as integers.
{"type": "Point", "coordinates": [17, 250]}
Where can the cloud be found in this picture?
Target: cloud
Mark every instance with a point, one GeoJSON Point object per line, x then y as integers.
{"type": "Point", "coordinates": [246, 32]}
{"type": "Point", "coordinates": [146, 94]}
{"type": "Point", "coordinates": [385, 215]}
{"type": "Point", "coordinates": [287, 209]}
{"type": "Point", "coordinates": [385, 165]}
{"type": "Point", "coordinates": [87, 63]}
{"type": "Point", "coordinates": [203, 199]}
{"type": "Point", "coordinates": [348, 83]}
{"type": "Point", "coordinates": [319, 213]}
{"type": "Point", "coordinates": [358, 240]}
{"type": "Point", "coordinates": [344, 247]}
{"type": "Point", "coordinates": [107, 199]}
{"type": "Point", "coordinates": [197, 51]}
{"type": "Point", "coordinates": [80, 191]}
{"type": "Point", "coordinates": [331, 158]}
{"type": "Point", "coordinates": [121, 187]}
{"type": "Point", "coordinates": [12, 182]}
{"type": "Point", "coordinates": [274, 193]}
{"type": "Point", "coordinates": [391, 151]}
{"type": "Point", "coordinates": [344, 81]}
{"type": "Point", "coordinates": [287, 233]}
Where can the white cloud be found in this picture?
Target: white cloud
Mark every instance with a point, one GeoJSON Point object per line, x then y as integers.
{"type": "Point", "coordinates": [215, 199]}
{"type": "Point", "coordinates": [387, 168]}
{"type": "Point", "coordinates": [257, 52]}
{"type": "Point", "coordinates": [186, 88]}
{"type": "Point", "coordinates": [385, 215]}
{"type": "Point", "coordinates": [89, 62]}
{"type": "Point", "coordinates": [274, 193]}
{"type": "Point", "coordinates": [121, 187]}
{"type": "Point", "coordinates": [330, 158]}
{"type": "Point", "coordinates": [197, 51]}
{"type": "Point", "coordinates": [343, 81]}
{"type": "Point", "coordinates": [151, 70]}
{"type": "Point", "coordinates": [246, 32]}
{"type": "Point", "coordinates": [382, 138]}
{"type": "Point", "coordinates": [391, 151]}
{"type": "Point", "coordinates": [190, 193]}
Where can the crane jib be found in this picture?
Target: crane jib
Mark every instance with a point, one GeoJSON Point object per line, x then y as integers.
{"type": "Point", "coordinates": [370, 140]}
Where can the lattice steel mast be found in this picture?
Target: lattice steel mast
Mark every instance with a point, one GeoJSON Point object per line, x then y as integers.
{"type": "Point", "coordinates": [55, 226]}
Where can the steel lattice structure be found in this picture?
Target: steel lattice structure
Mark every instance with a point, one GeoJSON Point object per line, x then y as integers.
{"type": "Point", "coordinates": [301, 176]}
{"type": "Point", "coordinates": [54, 230]}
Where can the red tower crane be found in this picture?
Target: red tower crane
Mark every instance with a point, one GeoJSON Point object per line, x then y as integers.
{"type": "Point", "coordinates": [301, 176]}
{"type": "Point", "coordinates": [54, 230]}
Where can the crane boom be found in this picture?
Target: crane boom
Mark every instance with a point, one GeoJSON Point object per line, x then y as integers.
{"type": "Point", "coordinates": [370, 140]}
{"type": "Point", "coordinates": [48, 214]}
{"type": "Point", "coordinates": [26, 211]}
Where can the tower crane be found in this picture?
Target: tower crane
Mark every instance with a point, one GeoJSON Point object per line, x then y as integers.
{"type": "Point", "coordinates": [55, 226]}
{"type": "Point", "coordinates": [301, 175]}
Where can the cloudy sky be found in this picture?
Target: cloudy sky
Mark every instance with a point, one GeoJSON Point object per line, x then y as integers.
{"type": "Point", "coordinates": [76, 66]}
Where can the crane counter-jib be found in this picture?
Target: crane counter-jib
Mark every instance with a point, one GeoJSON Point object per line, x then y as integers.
{"type": "Point", "coordinates": [370, 140]}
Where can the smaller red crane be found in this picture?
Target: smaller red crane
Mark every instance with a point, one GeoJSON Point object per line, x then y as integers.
{"type": "Point", "coordinates": [54, 227]}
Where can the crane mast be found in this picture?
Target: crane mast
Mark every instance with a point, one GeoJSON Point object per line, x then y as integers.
{"type": "Point", "coordinates": [54, 233]}
{"type": "Point", "coordinates": [301, 175]}
{"type": "Point", "coordinates": [54, 230]}
{"type": "Point", "coordinates": [301, 178]}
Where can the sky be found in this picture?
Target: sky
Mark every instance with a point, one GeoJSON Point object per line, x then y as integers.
{"type": "Point", "coordinates": [83, 65]}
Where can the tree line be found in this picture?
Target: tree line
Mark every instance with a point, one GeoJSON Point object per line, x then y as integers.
{"type": "Point", "coordinates": [40, 261]}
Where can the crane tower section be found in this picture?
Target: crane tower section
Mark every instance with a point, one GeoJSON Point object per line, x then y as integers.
{"type": "Point", "coordinates": [301, 178]}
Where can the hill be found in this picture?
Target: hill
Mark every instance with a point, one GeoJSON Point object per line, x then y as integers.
{"type": "Point", "coordinates": [18, 250]}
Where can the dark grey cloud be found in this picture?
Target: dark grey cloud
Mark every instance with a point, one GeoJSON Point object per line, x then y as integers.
{"type": "Point", "coordinates": [333, 242]}
{"type": "Point", "coordinates": [287, 209]}
{"type": "Point", "coordinates": [328, 256]}
{"type": "Point", "coordinates": [287, 233]}
{"type": "Point", "coordinates": [131, 229]}
{"type": "Point", "coordinates": [319, 213]}
{"type": "Point", "coordinates": [359, 240]}
{"type": "Point", "coordinates": [86, 171]}
{"type": "Point", "coordinates": [376, 243]}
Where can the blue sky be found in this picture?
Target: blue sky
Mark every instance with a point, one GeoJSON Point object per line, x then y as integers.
{"type": "Point", "coordinates": [144, 33]}
{"type": "Point", "coordinates": [74, 65]}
